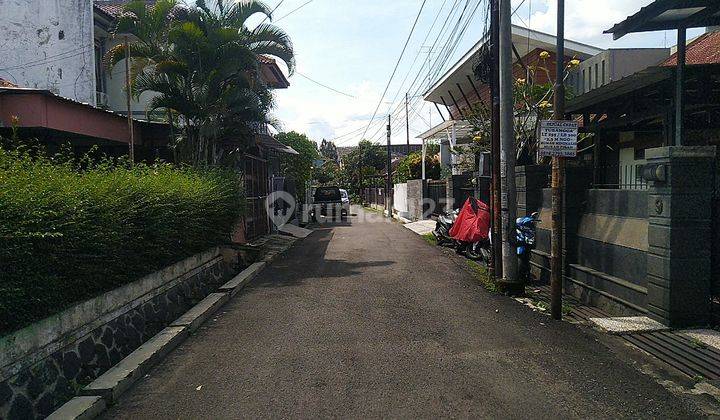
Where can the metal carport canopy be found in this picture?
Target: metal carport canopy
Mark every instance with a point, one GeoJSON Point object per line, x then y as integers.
{"type": "Point", "coordinates": [669, 14]}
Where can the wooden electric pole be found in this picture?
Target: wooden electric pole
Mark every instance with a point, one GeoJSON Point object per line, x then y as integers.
{"type": "Point", "coordinates": [556, 265]}
{"type": "Point", "coordinates": [388, 180]}
{"type": "Point", "coordinates": [495, 138]}
{"type": "Point", "coordinates": [127, 98]}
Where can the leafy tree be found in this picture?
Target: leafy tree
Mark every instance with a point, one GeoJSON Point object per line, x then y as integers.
{"type": "Point", "coordinates": [299, 167]}
{"type": "Point", "coordinates": [410, 167]}
{"type": "Point", "coordinates": [203, 63]}
{"type": "Point", "coordinates": [329, 150]}
{"type": "Point", "coordinates": [364, 166]}
{"type": "Point", "coordinates": [328, 173]}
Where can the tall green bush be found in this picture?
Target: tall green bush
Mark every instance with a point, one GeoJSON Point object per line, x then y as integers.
{"type": "Point", "coordinates": [67, 234]}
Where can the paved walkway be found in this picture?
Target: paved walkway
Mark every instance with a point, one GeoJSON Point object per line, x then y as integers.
{"type": "Point", "coordinates": [368, 320]}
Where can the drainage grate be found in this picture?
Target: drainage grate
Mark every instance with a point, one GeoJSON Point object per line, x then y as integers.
{"type": "Point", "coordinates": [689, 356]}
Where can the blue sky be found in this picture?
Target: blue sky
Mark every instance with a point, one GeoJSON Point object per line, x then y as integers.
{"type": "Point", "coordinates": [352, 46]}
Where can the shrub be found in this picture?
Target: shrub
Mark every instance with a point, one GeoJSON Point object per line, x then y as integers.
{"type": "Point", "coordinates": [69, 233]}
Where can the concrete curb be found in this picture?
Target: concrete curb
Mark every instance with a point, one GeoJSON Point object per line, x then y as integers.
{"type": "Point", "coordinates": [238, 282]}
{"type": "Point", "coordinates": [121, 376]}
{"type": "Point", "coordinates": [198, 314]}
{"type": "Point", "coordinates": [106, 389]}
{"type": "Point", "coordinates": [81, 408]}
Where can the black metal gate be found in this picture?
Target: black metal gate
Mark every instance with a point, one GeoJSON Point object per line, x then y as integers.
{"type": "Point", "coordinates": [255, 174]}
{"type": "Point", "coordinates": [437, 193]}
{"type": "Point", "coordinates": [715, 248]}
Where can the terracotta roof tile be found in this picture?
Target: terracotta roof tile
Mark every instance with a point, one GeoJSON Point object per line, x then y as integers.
{"type": "Point", "coordinates": [114, 7]}
{"type": "Point", "coordinates": [6, 84]}
{"type": "Point", "coordinates": [703, 50]}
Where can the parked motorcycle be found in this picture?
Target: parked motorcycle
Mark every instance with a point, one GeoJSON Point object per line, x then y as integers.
{"type": "Point", "coordinates": [442, 228]}
{"type": "Point", "coordinates": [525, 242]}
{"type": "Point", "coordinates": [466, 229]}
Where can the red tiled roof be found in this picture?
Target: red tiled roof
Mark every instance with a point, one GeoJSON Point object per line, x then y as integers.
{"type": "Point", "coordinates": [265, 59]}
{"type": "Point", "coordinates": [703, 50]}
{"type": "Point", "coordinates": [5, 83]}
{"type": "Point", "coordinates": [114, 8]}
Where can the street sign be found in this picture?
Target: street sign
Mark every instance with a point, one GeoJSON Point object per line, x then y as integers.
{"type": "Point", "coordinates": [558, 138]}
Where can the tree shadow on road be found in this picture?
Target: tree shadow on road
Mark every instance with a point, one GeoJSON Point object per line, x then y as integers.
{"type": "Point", "coordinates": [307, 260]}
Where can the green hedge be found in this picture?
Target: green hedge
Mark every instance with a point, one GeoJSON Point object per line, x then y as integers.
{"type": "Point", "coordinates": [68, 234]}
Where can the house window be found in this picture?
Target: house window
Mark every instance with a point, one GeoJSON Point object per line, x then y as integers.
{"type": "Point", "coordinates": [583, 82]}
{"type": "Point", "coordinates": [597, 73]}
{"type": "Point", "coordinates": [590, 86]}
{"type": "Point", "coordinates": [603, 81]}
{"type": "Point", "coordinates": [99, 68]}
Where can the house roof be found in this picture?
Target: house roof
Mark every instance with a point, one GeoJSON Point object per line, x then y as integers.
{"type": "Point", "coordinates": [669, 14]}
{"type": "Point", "coordinates": [272, 73]}
{"type": "Point", "coordinates": [5, 84]}
{"type": "Point", "coordinates": [525, 40]}
{"type": "Point", "coordinates": [42, 109]}
{"type": "Point", "coordinates": [114, 8]}
{"type": "Point", "coordinates": [705, 49]}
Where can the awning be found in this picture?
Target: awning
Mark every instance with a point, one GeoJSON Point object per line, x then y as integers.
{"type": "Point", "coordinates": [669, 14]}
{"type": "Point", "coordinates": [270, 142]}
{"type": "Point", "coordinates": [42, 110]}
{"type": "Point", "coordinates": [612, 90]}
{"type": "Point", "coordinates": [464, 131]}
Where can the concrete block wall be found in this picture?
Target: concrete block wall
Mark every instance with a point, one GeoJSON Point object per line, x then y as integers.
{"type": "Point", "coordinates": [679, 234]}
{"type": "Point", "coordinates": [416, 192]}
{"type": "Point", "coordinates": [44, 365]}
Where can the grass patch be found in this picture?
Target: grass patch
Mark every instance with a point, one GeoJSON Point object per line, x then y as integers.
{"type": "Point", "coordinates": [430, 238]}
{"type": "Point", "coordinates": [483, 276]}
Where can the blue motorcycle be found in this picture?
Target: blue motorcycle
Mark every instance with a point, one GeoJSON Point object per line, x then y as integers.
{"type": "Point", "coordinates": [525, 242]}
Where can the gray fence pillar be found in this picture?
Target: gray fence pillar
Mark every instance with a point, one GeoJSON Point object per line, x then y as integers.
{"type": "Point", "coordinates": [679, 212]}
{"type": "Point", "coordinates": [529, 183]}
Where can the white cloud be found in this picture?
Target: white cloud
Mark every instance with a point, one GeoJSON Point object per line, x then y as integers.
{"type": "Point", "coordinates": [585, 20]}
{"type": "Point", "coordinates": [328, 115]}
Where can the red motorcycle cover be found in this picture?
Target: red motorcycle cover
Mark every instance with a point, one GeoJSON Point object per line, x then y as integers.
{"type": "Point", "coordinates": [473, 222]}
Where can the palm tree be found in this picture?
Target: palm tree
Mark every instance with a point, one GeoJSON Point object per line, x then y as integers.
{"type": "Point", "coordinates": [203, 64]}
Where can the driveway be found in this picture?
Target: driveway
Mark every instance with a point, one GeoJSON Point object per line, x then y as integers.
{"type": "Point", "coordinates": [365, 319]}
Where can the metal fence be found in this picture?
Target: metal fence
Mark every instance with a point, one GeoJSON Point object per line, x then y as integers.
{"type": "Point", "coordinates": [374, 195]}
{"type": "Point", "coordinates": [714, 242]}
{"type": "Point", "coordinates": [623, 177]}
{"type": "Point", "coordinates": [437, 193]}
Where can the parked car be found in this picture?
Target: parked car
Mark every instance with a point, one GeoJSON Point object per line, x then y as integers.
{"type": "Point", "coordinates": [328, 201]}
{"type": "Point", "coordinates": [345, 201]}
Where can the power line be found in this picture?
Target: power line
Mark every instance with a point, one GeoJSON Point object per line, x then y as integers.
{"type": "Point", "coordinates": [271, 12]}
{"type": "Point", "coordinates": [422, 6]}
{"type": "Point", "coordinates": [293, 11]}
{"type": "Point", "coordinates": [324, 85]}
{"type": "Point", "coordinates": [51, 58]}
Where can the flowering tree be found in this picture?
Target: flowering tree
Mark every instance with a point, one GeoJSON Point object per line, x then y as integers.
{"type": "Point", "coordinates": [533, 103]}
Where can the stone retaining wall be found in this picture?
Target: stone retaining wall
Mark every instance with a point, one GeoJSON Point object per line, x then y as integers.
{"type": "Point", "coordinates": [45, 364]}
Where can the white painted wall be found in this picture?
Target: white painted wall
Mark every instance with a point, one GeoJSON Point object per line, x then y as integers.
{"type": "Point", "coordinates": [400, 199]}
{"type": "Point", "coordinates": [115, 82]}
{"type": "Point", "coordinates": [48, 44]}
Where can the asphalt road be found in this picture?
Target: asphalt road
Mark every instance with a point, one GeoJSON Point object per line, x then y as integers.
{"type": "Point", "coordinates": [368, 320]}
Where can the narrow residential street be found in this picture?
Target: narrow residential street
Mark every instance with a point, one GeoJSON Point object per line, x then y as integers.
{"type": "Point", "coordinates": [367, 320]}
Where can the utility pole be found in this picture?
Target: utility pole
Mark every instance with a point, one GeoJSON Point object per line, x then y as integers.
{"type": "Point", "coordinates": [558, 164]}
{"type": "Point", "coordinates": [510, 282]}
{"type": "Point", "coordinates": [495, 137]}
{"type": "Point", "coordinates": [407, 125]}
{"type": "Point", "coordinates": [388, 181]}
{"type": "Point", "coordinates": [127, 97]}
